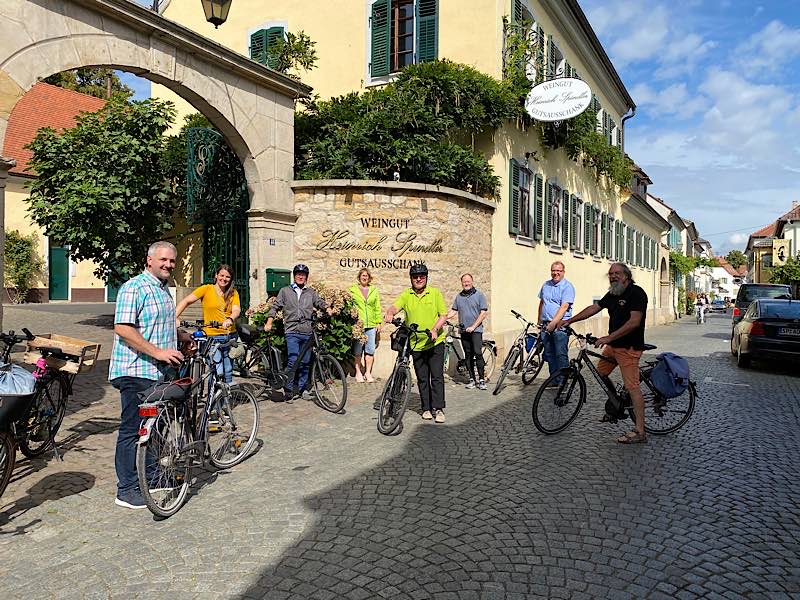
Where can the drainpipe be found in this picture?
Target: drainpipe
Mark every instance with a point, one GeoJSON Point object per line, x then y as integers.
{"type": "Point", "coordinates": [632, 111]}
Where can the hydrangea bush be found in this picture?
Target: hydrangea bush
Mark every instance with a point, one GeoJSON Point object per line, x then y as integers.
{"type": "Point", "coordinates": [337, 331]}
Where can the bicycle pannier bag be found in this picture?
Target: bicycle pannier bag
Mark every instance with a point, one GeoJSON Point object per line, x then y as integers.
{"type": "Point", "coordinates": [398, 338]}
{"type": "Point", "coordinates": [15, 381]}
{"type": "Point", "coordinates": [530, 341]}
{"type": "Point", "coordinates": [167, 390]}
{"type": "Point", "coordinates": [670, 376]}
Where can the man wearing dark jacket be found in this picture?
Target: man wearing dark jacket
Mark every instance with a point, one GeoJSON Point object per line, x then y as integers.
{"type": "Point", "coordinates": [297, 301]}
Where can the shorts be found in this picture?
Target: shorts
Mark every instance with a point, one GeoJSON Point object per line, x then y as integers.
{"type": "Point", "coordinates": [628, 361]}
{"type": "Point", "coordinates": [367, 347]}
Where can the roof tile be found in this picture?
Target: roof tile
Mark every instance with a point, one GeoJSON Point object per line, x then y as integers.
{"type": "Point", "coordinates": [44, 105]}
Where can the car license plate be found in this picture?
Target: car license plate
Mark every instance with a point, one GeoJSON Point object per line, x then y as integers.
{"type": "Point", "coordinates": [793, 331]}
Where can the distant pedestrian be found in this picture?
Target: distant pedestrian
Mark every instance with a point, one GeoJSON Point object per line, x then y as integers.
{"type": "Point", "coordinates": [424, 306]}
{"type": "Point", "coordinates": [145, 345]}
{"type": "Point", "coordinates": [472, 309]}
{"type": "Point", "coordinates": [220, 302]}
{"type": "Point", "coordinates": [368, 303]}
{"type": "Point", "coordinates": [556, 298]}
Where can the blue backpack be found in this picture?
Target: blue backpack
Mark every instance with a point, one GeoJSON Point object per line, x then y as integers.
{"type": "Point", "coordinates": [670, 376]}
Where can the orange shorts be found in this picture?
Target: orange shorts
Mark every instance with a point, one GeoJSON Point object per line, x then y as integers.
{"type": "Point", "coordinates": [628, 361]}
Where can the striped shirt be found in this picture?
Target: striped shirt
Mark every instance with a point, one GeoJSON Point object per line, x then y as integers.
{"type": "Point", "coordinates": [144, 302]}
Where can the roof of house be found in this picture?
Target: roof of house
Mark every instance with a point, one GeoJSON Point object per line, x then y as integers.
{"type": "Point", "coordinates": [766, 231]}
{"type": "Point", "coordinates": [740, 272]}
{"type": "Point", "coordinates": [44, 105]}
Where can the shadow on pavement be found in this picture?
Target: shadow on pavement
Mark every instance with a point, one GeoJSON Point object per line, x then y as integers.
{"type": "Point", "coordinates": [50, 488]}
{"type": "Point", "coordinates": [103, 321]}
{"type": "Point", "coordinates": [490, 508]}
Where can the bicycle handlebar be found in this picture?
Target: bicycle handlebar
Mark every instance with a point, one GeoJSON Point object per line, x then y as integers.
{"type": "Point", "coordinates": [412, 327]}
{"type": "Point", "coordinates": [200, 324]}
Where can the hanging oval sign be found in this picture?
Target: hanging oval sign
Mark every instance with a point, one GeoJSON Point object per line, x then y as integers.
{"type": "Point", "coordinates": [558, 99]}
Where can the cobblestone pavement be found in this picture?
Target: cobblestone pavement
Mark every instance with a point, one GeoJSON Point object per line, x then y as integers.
{"type": "Point", "coordinates": [481, 507]}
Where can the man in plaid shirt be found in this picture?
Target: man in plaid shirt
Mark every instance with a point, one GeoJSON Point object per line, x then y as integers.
{"type": "Point", "coordinates": [145, 343]}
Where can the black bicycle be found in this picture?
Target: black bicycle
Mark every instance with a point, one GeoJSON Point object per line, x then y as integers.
{"type": "Point", "coordinates": [516, 359]}
{"type": "Point", "coordinates": [562, 395]}
{"type": "Point", "coordinates": [263, 361]}
{"type": "Point", "coordinates": [394, 398]}
{"type": "Point", "coordinates": [453, 344]}
{"type": "Point", "coordinates": [191, 421]}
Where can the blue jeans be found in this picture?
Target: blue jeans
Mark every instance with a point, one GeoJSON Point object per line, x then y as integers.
{"type": "Point", "coordinates": [125, 456]}
{"type": "Point", "coordinates": [294, 342]}
{"type": "Point", "coordinates": [555, 350]}
{"type": "Point", "coordinates": [222, 358]}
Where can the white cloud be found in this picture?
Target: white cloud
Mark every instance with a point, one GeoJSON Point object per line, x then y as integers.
{"type": "Point", "coordinates": [737, 239]}
{"type": "Point", "coordinates": [643, 39]}
{"type": "Point", "coordinates": [673, 100]}
{"type": "Point", "coordinates": [769, 49]}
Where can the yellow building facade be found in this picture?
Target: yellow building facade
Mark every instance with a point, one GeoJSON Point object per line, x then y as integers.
{"type": "Point", "coordinates": [550, 208]}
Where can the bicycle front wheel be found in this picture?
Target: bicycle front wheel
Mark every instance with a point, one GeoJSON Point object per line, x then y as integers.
{"type": "Point", "coordinates": [559, 401]}
{"type": "Point", "coordinates": [44, 418]}
{"type": "Point", "coordinates": [394, 401]}
{"type": "Point", "coordinates": [533, 365]}
{"type": "Point", "coordinates": [662, 415]}
{"type": "Point", "coordinates": [163, 465]}
{"type": "Point", "coordinates": [330, 385]}
{"type": "Point", "coordinates": [489, 359]}
{"type": "Point", "coordinates": [233, 426]}
{"type": "Point", "coordinates": [508, 364]}
{"type": "Point", "coordinates": [8, 456]}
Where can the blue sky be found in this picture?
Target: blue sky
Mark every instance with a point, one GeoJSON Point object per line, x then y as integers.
{"type": "Point", "coordinates": [716, 86]}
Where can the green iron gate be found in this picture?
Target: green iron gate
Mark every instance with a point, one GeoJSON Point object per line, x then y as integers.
{"type": "Point", "coordinates": [217, 199]}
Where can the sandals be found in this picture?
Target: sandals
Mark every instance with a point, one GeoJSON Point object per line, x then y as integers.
{"type": "Point", "coordinates": [632, 437]}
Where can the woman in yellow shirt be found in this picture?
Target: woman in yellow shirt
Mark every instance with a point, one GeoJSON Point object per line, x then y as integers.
{"type": "Point", "coordinates": [220, 302]}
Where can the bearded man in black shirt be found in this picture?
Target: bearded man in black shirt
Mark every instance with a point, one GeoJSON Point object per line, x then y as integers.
{"type": "Point", "coordinates": [626, 303]}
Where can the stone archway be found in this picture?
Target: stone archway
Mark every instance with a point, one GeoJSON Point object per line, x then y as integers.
{"type": "Point", "coordinates": [250, 104]}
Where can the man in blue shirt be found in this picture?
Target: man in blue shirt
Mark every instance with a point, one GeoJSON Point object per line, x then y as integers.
{"type": "Point", "coordinates": [555, 304]}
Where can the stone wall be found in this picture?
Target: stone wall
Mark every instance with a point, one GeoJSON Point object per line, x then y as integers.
{"type": "Point", "coordinates": [343, 226]}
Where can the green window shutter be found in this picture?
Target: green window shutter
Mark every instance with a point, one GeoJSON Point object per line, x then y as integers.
{"type": "Point", "coordinates": [551, 57]}
{"type": "Point", "coordinates": [538, 199]}
{"type": "Point", "coordinates": [573, 230]}
{"type": "Point", "coordinates": [619, 137]}
{"type": "Point", "coordinates": [513, 198]}
{"type": "Point", "coordinates": [587, 228]}
{"type": "Point", "coordinates": [379, 39]}
{"type": "Point", "coordinates": [565, 213]}
{"type": "Point", "coordinates": [603, 231]}
{"type": "Point", "coordinates": [548, 210]}
{"type": "Point", "coordinates": [258, 46]}
{"type": "Point", "coordinates": [274, 36]}
{"type": "Point", "coordinates": [427, 35]}
{"type": "Point", "coordinates": [567, 69]}
{"type": "Point", "coordinates": [516, 11]}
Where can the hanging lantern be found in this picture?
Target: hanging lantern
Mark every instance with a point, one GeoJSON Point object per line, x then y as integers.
{"type": "Point", "coordinates": [216, 11]}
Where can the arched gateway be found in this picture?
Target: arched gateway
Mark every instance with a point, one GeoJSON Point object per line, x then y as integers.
{"type": "Point", "coordinates": [251, 105]}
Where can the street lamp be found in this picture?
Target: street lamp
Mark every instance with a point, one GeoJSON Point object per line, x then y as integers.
{"type": "Point", "coordinates": [216, 11]}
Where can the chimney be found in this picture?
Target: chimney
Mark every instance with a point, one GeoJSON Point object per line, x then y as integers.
{"type": "Point", "coordinates": [794, 204]}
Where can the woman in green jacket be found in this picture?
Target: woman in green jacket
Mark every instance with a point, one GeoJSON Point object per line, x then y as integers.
{"type": "Point", "coordinates": [368, 303]}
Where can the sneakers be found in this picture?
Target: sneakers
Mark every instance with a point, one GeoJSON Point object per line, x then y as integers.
{"type": "Point", "coordinates": [439, 416]}
{"type": "Point", "coordinates": [481, 385]}
{"type": "Point", "coordinates": [427, 416]}
{"type": "Point", "coordinates": [130, 499]}
{"type": "Point", "coordinates": [471, 385]}
{"type": "Point", "coordinates": [306, 395]}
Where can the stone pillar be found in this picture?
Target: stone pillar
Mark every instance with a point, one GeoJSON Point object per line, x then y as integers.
{"type": "Point", "coordinates": [6, 164]}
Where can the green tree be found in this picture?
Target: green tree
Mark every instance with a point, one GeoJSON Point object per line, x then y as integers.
{"type": "Point", "coordinates": [93, 81]}
{"type": "Point", "coordinates": [22, 264]}
{"type": "Point", "coordinates": [297, 51]}
{"type": "Point", "coordinates": [736, 259]}
{"type": "Point", "coordinates": [787, 273]}
{"type": "Point", "coordinates": [101, 186]}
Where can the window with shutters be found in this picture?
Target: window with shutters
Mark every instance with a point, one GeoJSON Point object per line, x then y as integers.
{"type": "Point", "coordinates": [522, 16]}
{"type": "Point", "coordinates": [576, 233]}
{"type": "Point", "coordinates": [553, 214]}
{"type": "Point", "coordinates": [555, 59]}
{"type": "Point", "coordinates": [595, 231]}
{"type": "Point", "coordinates": [621, 242]}
{"type": "Point", "coordinates": [610, 235]}
{"type": "Point", "coordinates": [401, 33]}
{"type": "Point", "coordinates": [519, 217]}
{"type": "Point", "coordinates": [630, 254]}
{"type": "Point", "coordinates": [263, 42]}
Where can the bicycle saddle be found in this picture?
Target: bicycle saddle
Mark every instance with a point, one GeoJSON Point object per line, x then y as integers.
{"type": "Point", "coordinates": [649, 347]}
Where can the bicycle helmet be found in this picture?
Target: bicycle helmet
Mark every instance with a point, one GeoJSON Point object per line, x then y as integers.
{"type": "Point", "coordinates": [300, 268]}
{"type": "Point", "coordinates": [418, 269]}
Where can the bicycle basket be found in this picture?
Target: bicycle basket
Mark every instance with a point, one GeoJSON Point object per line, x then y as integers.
{"type": "Point", "coordinates": [399, 337]}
